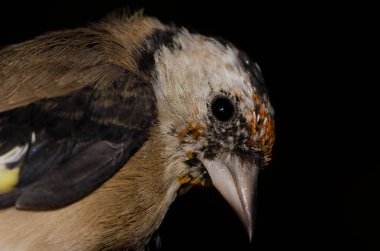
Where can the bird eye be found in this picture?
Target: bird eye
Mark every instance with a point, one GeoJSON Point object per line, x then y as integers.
{"type": "Point", "coordinates": [222, 108]}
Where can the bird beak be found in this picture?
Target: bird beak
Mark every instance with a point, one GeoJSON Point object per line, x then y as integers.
{"type": "Point", "coordinates": [236, 181]}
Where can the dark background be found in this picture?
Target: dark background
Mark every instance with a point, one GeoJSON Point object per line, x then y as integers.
{"type": "Point", "coordinates": [321, 190]}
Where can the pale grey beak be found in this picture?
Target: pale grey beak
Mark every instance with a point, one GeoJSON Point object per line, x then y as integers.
{"type": "Point", "coordinates": [236, 181]}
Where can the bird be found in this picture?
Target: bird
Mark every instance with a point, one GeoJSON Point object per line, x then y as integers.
{"type": "Point", "coordinates": [102, 127]}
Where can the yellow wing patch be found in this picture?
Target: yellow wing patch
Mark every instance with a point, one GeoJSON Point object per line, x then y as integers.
{"type": "Point", "coordinates": [8, 178]}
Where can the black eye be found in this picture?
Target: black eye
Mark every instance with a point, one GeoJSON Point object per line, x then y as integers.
{"type": "Point", "coordinates": [222, 108]}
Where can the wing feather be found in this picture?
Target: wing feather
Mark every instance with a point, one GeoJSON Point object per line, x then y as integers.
{"type": "Point", "coordinates": [80, 115]}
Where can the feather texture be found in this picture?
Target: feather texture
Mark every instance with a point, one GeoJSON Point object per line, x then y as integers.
{"type": "Point", "coordinates": [64, 99]}
{"type": "Point", "coordinates": [106, 124]}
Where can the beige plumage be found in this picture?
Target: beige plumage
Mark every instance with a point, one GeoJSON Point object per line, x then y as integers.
{"type": "Point", "coordinates": [147, 109]}
{"type": "Point", "coordinates": [104, 219]}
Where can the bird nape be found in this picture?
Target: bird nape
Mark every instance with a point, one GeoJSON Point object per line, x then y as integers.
{"type": "Point", "coordinates": [102, 127]}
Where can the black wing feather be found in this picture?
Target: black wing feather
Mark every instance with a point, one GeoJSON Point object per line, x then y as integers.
{"type": "Point", "coordinates": [81, 114]}
{"type": "Point", "coordinates": [75, 178]}
{"type": "Point", "coordinates": [82, 139]}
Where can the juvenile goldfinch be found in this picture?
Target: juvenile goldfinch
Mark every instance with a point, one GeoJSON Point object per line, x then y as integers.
{"type": "Point", "coordinates": [101, 127]}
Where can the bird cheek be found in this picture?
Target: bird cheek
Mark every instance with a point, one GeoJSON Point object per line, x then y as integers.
{"type": "Point", "coordinates": [193, 131]}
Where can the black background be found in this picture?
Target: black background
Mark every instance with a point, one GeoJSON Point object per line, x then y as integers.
{"type": "Point", "coordinates": [321, 190]}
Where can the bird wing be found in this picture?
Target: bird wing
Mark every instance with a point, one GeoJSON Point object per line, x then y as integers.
{"type": "Point", "coordinates": [69, 119]}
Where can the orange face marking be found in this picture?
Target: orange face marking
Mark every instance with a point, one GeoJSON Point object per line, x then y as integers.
{"type": "Point", "coordinates": [262, 111]}
{"type": "Point", "coordinates": [190, 181]}
{"type": "Point", "coordinates": [197, 182]}
{"type": "Point", "coordinates": [189, 154]}
{"type": "Point", "coordinates": [265, 124]}
{"type": "Point", "coordinates": [252, 124]}
{"type": "Point", "coordinates": [182, 135]}
{"type": "Point", "coordinates": [196, 130]}
{"type": "Point", "coordinates": [256, 99]}
{"type": "Point", "coordinates": [184, 179]}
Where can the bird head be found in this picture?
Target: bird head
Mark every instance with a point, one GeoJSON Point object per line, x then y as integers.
{"type": "Point", "coordinates": [216, 118]}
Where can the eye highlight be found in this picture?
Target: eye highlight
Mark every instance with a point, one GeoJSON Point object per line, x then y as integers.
{"type": "Point", "coordinates": [222, 108]}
